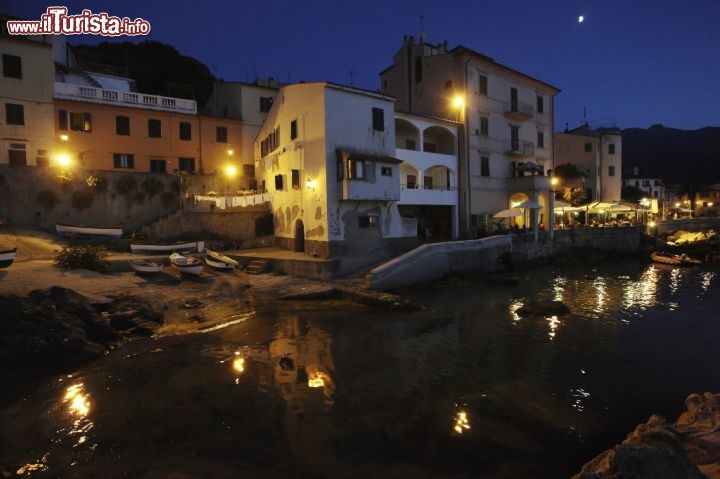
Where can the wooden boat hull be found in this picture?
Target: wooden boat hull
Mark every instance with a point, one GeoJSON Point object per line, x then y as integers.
{"type": "Point", "coordinates": [143, 266]}
{"type": "Point", "coordinates": [7, 257]}
{"type": "Point", "coordinates": [220, 261]}
{"type": "Point", "coordinates": [183, 247]}
{"type": "Point", "coordinates": [674, 259]}
{"type": "Point", "coordinates": [92, 231]}
{"type": "Point", "coordinates": [186, 264]}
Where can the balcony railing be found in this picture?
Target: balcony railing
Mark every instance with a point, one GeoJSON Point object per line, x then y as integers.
{"type": "Point", "coordinates": [69, 91]}
{"type": "Point", "coordinates": [518, 110]}
{"type": "Point", "coordinates": [519, 149]}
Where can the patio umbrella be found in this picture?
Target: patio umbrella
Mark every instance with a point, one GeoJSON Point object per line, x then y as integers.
{"type": "Point", "coordinates": [508, 213]}
{"type": "Point", "coordinates": [529, 205]}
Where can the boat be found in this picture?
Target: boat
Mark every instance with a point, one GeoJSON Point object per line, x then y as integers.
{"type": "Point", "coordinates": [7, 256]}
{"type": "Point", "coordinates": [144, 266]}
{"type": "Point", "coordinates": [219, 260]}
{"type": "Point", "coordinates": [179, 247]}
{"type": "Point", "coordinates": [186, 264]}
{"type": "Point", "coordinates": [93, 231]}
{"type": "Point", "coordinates": [674, 259]}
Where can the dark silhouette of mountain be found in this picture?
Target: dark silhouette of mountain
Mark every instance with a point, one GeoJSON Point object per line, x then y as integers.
{"type": "Point", "coordinates": [677, 156]}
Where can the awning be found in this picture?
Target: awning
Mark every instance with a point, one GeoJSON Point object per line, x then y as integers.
{"type": "Point", "coordinates": [357, 156]}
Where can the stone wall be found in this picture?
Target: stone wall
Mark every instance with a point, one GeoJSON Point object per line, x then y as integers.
{"type": "Point", "coordinates": [435, 260]}
{"type": "Point", "coordinates": [41, 197]}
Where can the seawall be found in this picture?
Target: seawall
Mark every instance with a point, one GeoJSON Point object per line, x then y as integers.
{"type": "Point", "coordinates": [432, 261]}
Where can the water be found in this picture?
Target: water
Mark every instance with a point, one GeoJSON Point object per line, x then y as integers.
{"type": "Point", "coordinates": [465, 389]}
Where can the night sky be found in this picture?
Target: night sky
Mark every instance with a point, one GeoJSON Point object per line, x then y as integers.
{"type": "Point", "coordinates": [629, 63]}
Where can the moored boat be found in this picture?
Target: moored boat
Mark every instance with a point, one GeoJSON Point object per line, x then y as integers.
{"type": "Point", "coordinates": [7, 257]}
{"type": "Point", "coordinates": [219, 260]}
{"type": "Point", "coordinates": [144, 266]}
{"type": "Point", "coordinates": [674, 259]}
{"type": "Point", "coordinates": [179, 247]}
{"type": "Point", "coordinates": [92, 231]}
{"type": "Point", "coordinates": [186, 264]}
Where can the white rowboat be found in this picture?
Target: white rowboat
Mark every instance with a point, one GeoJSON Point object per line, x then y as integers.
{"type": "Point", "coordinates": [7, 257]}
{"type": "Point", "coordinates": [180, 247]}
{"type": "Point", "coordinates": [219, 260]}
{"type": "Point", "coordinates": [143, 266]}
{"type": "Point", "coordinates": [186, 264]}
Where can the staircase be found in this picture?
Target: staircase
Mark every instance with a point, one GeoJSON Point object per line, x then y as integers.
{"type": "Point", "coordinates": [257, 266]}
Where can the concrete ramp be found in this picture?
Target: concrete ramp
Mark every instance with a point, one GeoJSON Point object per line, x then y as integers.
{"type": "Point", "coordinates": [435, 260]}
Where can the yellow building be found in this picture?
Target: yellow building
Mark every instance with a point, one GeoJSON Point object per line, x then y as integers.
{"type": "Point", "coordinates": [26, 98]}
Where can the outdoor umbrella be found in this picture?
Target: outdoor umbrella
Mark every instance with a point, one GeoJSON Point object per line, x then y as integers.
{"type": "Point", "coordinates": [508, 213]}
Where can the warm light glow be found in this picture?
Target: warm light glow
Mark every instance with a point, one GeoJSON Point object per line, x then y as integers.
{"type": "Point", "coordinates": [677, 204]}
{"type": "Point", "coordinates": [64, 137]}
{"type": "Point", "coordinates": [710, 203]}
{"type": "Point", "coordinates": [554, 324]}
{"type": "Point", "coordinates": [317, 382]}
{"type": "Point", "coordinates": [230, 152]}
{"type": "Point", "coordinates": [554, 180]}
{"type": "Point", "coordinates": [64, 160]}
{"type": "Point", "coordinates": [310, 184]}
{"type": "Point", "coordinates": [78, 403]}
{"type": "Point", "coordinates": [231, 170]}
{"type": "Point", "coordinates": [239, 364]}
{"type": "Point", "coordinates": [462, 422]}
{"type": "Point", "coordinates": [459, 101]}
{"type": "Point", "coordinates": [651, 224]}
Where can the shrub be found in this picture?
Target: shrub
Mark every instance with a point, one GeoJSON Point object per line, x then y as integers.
{"type": "Point", "coordinates": [93, 258]}
{"type": "Point", "coordinates": [47, 199]}
{"type": "Point", "coordinates": [82, 199]}
{"type": "Point", "coordinates": [96, 183]}
{"type": "Point", "coordinates": [152, 186]}
{"type": "Point", "coordinates": [126, 185]}
{"type": "Point", "coordinates": [65, 179]}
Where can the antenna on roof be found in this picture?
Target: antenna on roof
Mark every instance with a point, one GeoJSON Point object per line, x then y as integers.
{"type": "Point", "coordinates": [351, 77]}
{"type": "Point", "coordinates": [421, 37]}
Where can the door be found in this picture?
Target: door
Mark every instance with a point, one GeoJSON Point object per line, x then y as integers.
{"type": "Point", "coordinates": [299, 237]}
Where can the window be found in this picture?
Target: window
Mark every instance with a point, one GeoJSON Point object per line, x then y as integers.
{"type": "Point", "coordinates": [484, 125]}
{"type": "Point", "coordinates": [356, 169]}
{"type": "Point", "coordinates": [367, 221]}
{"type": "Point", "coordinates": [158, 165]}
{"type": "Point", "coordinates": [656, 182]}
{"type": "Point", "coordinates": [646, 183]}
{"type": "Point", "coordinates": [42, 158]}
{"type": "Point", "coordinates": [17, 154]}
{"type": "Point", "coordinates": [482, 85]}
{"type": "Point", "coordinates": [484, 166]}
{"type": "Point", "coordinates": [154, 128]}
{"type": "Point", "coordinates": [410, 144]}
{"type": "Point", "coordinates": [588, 147]}
{"type": "Point", "coordinates": [611, 149]}
{"type": "Point", "coordinates": [122, 125]}
{"type": "Point", "coordinates": [185, 130]}
{"type": "Point", "coordinates": [540, 104]}
{"type": "Point", "coordinates": [14, 114]}
{"type": "Point", "coordinates": [514, 137]}
{"type": "Point", "coordinates": [295, 179]}
{"type": "Point", "coordinates": [123, 160]}
{"type": "Point", "coordinates": [378, 119]}
{"type": "Point", "coordinates": [266, 103]}
{"type": "Point", "coordinates": [186, 164]}
{"type": "Point", "coordinates": [76, 121]}
{"type": "Point", "coordinates": [385, 171]}
{"type": "Point", "coordinates": [278, 182]}
{"type": "Point", "coordinates": [293, 129]}
{"type": "Point", "coordinates": [248, 171]}
{"type": "Point", "coordinates": [12, 66]}
{"type": "Point", "coordinates": [418, 69]}
{"type": "Point", "coordinates": [611, 171]}
{"type": "Point", "coordinates": [271, 142]}
{"type": "Point", "coordinates": [221, 134]}
{"type": "Point", "coordinates": [540, 139]}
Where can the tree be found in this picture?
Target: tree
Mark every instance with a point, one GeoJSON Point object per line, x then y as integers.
{"type": "Point", "coordinates": [571, 183]}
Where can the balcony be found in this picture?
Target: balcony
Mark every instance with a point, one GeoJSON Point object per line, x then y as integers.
{"type": "Point", "coordinates": [518, 110]}
{"type": "Point", "coordinates": [69, 91]}
{"type": "Point", "coordinates": [519, 149]}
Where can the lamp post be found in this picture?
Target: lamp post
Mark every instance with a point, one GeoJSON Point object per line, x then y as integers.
{"type": "Point", "coordinates": [464, 198]}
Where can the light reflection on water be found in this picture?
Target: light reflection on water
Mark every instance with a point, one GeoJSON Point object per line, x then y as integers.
{"type": "Point", "coordinates": [467, 386]}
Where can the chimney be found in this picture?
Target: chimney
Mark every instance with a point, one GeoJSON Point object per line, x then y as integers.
{"type": "Point", "coordinates": [636, 171]}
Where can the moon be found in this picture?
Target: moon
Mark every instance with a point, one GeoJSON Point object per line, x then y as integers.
{"type": "Point", "coordinates": [581, 19]}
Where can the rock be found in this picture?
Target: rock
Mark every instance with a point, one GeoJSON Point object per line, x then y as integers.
{"type": "Point", "coordinates": [543, 308]}
{"type": "Point", "coordinates": [687, 449]}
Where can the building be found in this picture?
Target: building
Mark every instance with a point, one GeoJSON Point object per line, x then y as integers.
{"type": "Point", "coordinates": [506, 119]}
{"type": "Point", "coordinates": [428, 174]}
{"type": "Point", "coordinates": [26, 98]}
{"type": "Point", "coordinates": [326, 154]}
{"type": "Point", "coordinates": [651, 185]}
{"type": "Point", "coordinates": [597, 155]}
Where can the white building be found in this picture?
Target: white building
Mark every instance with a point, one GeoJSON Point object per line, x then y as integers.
{"type": "Point", "coordinates": [506, 124]}
{"type": "Point", "coordinates": [326, 154]}
{"type": "Point", "coordinates": [597, 154]}
{"type": "Point", "coordinates": [428, 174]}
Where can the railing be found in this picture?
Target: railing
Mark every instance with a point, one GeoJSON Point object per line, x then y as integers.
{"type": "Point", "coordinates": [518, 109]}
{"type": "Point", "coordinates": [71, 91]}
{"type": "Point", "coordinates": [413, 186]}
{"type": "Point", "coordinates": [520, 148]}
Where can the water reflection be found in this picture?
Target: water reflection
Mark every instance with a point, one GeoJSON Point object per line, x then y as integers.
{"type": "Point", "coordinates": [462, 422]}
{"type": "Point", "coordinates": [554, 324]}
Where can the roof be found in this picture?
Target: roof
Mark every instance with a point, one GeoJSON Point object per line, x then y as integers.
{"type": "Point", "coordinates": [355, 155]}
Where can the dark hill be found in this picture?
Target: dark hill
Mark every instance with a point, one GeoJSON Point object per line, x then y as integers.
{"type": "Point", "coordinates": [677, 156]}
